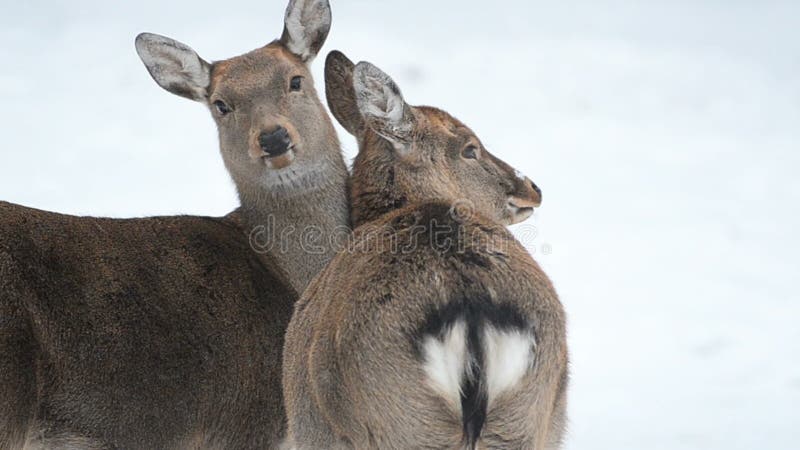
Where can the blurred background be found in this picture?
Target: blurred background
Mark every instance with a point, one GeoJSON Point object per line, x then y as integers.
{"type": "Point", "coordinates": [665, 137]}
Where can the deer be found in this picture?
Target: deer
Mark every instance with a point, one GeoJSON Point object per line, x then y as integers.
{"type": "Point", "coordinates": [435, 328]}
{"type": "Point", "coordinates": [167, 332]}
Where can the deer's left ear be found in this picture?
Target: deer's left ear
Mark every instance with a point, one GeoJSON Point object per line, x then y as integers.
{"type": "Point", "coordinates": [382, 105]}
{"type": "Point", "coordinates": [306, 27]}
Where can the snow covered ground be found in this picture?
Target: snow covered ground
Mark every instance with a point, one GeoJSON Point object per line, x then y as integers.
{"type": "Point", "coordinates": [665, 136]}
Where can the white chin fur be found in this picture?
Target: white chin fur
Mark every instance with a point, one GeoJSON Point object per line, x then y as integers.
{"type": "Point", "coordinates": [517, 215]}
{"type": "Point", "coordinates": [292, 179]}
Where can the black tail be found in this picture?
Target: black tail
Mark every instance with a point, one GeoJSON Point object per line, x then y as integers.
{"type": "Point", "coordinates": [474, 398]}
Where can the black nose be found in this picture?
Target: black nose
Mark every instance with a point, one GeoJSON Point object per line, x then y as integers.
{"type": "Point", "coordinates": [275, 143]}
{"type": "Point", "coordinates": [536, 188]}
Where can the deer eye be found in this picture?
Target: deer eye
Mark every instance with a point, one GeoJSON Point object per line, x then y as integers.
{"type": "Point", "coordinates": [470, 152]}
{"type": "Point", "coordinates": [296, 83]}
{"type": "Point", "coordinates": [222, 108]}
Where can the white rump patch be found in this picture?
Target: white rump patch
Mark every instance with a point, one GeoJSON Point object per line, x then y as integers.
{"type": "Point", "coordinates": [508, 357]}
{"type": "Point", "coordinates": [444, 362]}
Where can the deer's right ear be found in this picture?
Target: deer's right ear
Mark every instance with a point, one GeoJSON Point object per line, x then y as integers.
{"type": "Point", "coordinates": [174, 66]}
{"type": "Point", "coordinates": [382, 105]}
{"type": "Point", "coordinates": [340, 92]}
{"type": "Point", "coordinates": [306, 27]}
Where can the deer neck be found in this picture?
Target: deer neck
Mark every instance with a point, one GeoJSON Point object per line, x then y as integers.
{"type": "Point", "coordinates": [375, 191]}
{"type": "Point", "coordinates": [300, 226]}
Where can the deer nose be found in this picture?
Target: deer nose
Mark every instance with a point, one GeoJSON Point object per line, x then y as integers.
{"type": "Point", "coordinates": [536, 189]}
{"type": "Point", "coordinates": [275, 143]}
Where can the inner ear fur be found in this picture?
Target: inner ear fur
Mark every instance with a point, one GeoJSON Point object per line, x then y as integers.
{"type": "Point", "coordinates": [174, 66]}
{"type": "Point", "coordinates": [382, 105]}
{"type": "Point", "coordinates": [306, 27]}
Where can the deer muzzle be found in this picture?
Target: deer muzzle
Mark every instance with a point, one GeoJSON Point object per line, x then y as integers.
{"type": "Point", "coordinates": [275, 147]}
{"type": "Point", "coordinates": [522, 202]}
{"type": "Point", "coordinates": [275, 143]}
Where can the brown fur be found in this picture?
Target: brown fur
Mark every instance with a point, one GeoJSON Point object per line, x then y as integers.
{"type": "Point", "coordinates": [137, 333]}
{"type": "Point", "coordinates": [167, 332]}
{"type": "Point", "coordinates": [353, 374]}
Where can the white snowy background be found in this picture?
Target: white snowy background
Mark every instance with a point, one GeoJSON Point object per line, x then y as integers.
{"type": "Point", "coordinates": [665, 136]}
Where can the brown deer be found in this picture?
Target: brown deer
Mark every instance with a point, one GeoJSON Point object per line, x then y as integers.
{"type": "Point", "coordinates": [167, 332]}
{"type": "Point", "coordinates": [436, 330]}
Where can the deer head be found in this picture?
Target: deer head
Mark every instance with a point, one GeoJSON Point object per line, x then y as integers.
{"type": "Point", "coordinates": [273, 130]}
{"type": "Point", "coordinates": [409, 154]}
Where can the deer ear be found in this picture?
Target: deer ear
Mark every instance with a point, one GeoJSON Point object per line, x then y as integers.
{"type": "Point", "coordinates": [341, 94]}
{"type": "Point", "coordinates": [174, 66]}
{"type": "Point", "coordinates": [306, 27]}
{"type": "Point", "coordinates": [382, 106]}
